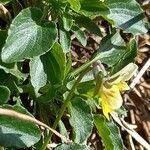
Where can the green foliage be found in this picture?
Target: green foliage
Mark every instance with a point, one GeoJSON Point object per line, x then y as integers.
{"type": "Point", "coordinates": [65, 40]}
{"type": "Point", "coordinates": [75, 4]}
{"type": "Point", "coordinates": [109, 133]}
{"type": "Point", "coordinates": [127, 15]}
{"type": "Point", "coordinates": [50, 66]}
{"type": "Point", "coordinates": [15, 133]}
{"type": "Point", "coordinates": [80, 35]}
{"type": "Point", "coordinates": [128, 56]}
{"type": "Point", "coordinates": [93, 8]}
{"type": "Point", "coordinates": [73, 146]}
{"type": "Point", "coordinates": [36, 72]}
{"type": "Point", "coordinates": [28, 36]}
{"type": "Point", "coordinates": [5, 94]}
{"type": "Point", "coordinates": [63, 130]}
{"type": "Point", "coordinates": [88, 24]}
{"type": "Point", "coordinates": [67, 22]}
{"type": "Point", "coordinates": [5, 1]}
{"type": "Point", "coordinates": [112, 48]}
{"type": "Point", "coordinates": [81, 119]}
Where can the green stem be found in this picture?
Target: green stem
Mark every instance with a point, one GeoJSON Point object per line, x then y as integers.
{"type": "Point", "coordinates": [84, 66]}
{"type": "Point", "coordinates": [45, 12]}
{"type": "Point", "coordinates": [61, 112]}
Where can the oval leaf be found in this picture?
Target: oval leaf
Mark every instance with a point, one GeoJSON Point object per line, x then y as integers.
{"type": "Point", "coordinates": [67, 22]}
{"type": "Point", "coordinates": [109, 133]}
{"type": "Point", "coordinates": [18, 133]}
{"type": "Point", "coordinates": [65, 40]}
{"type": "Point", "coordinates": [75, 4]}
{"type": "Point", "coordinates": [93, 8]}
{"type": "Point", "coordinates": [27, 37]}
{"type": "Point", "coordinates": [80, 35]}
{"type": "Point", "coordinates": [112, 49]}
{"type": "Point", "coordinates": [37, 74]}
{"type": "Point", "coordinates": [54, 64]}
{"type": "Point", "coordinates": [4, 94]}
{"type": "Point", "coordinates": [81, 119]}
{"type": "Point", "coordinates": [129, 56]}
{"type": "Point", "coordinates": [127, 15]}
{"type": "Point", "coordinates": [87, 23]}
{"type": "Point", "coordinates": [50, 66]}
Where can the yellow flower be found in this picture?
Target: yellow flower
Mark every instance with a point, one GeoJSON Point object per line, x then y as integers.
{"type": "Point", "coordinates": [110, 94]}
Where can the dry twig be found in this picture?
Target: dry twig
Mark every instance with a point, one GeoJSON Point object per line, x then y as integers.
{"type": "Point", "coordinates": [132, 132]}
{"type": "Point", "coordinates": [140, 74]}
{"type": "Point", "coordinates": [24, 117]}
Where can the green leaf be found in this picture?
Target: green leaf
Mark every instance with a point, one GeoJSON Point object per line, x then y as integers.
{"type": "Point", "coordinates": [50, 66]}
{"type": "Point", "coordinates": [9, 81]}
{"type": "Point", "coordinates": [112, 48]}
{"type": "Point", "coordinates": [81, 119]}
{"type": "Point", "coordinates": [73, 146]}
{"type": "Point", "coordinates": [68, 64]}
{"type": "Point", "coordinates": [63, 130]}
{"type": "Point", "coordinates": [93, 8]}
{"type": "Point", "coordinates": [48, 93]}
{"type": "Point", "coordinates": [122, 111]}
{"type": "Point", "coordinates": [75, 4]}
{"type": "Point", "coordinates": [65, 40]}
{"type": "Point", "coordinates": [127, 15]}
{"type": "Point", "coordinates": [88, 76]}
{"type": "Point", "coordinates": [67, 22]}
{"type": "Point", "coordinates": [128, 57]}
{"type": "Point", "coordinates": [17, 133]}
{"type": "Point", "coordinates": [37, 74]}
{"type": "Point", "coordinates": [80, 35]}
{"type": "Point", "coordinates": [13, 69]}
{"type": "Point", "coordinates": [88, 24]}
{"type": "Point", "coordinates": [54, 63]}
{"type": "Point", "coordinates": [86, 88]}
{"type": "Point", "coordinates": [28, 36]}
{"type": "Point", "coordinates": [4, 94]}
{"type": "Point", "coordinates": [109, 133]}
{"type": "Point", "coordinates": [115, 135]}
{"type": "Point", "coordinates": [5, 1]}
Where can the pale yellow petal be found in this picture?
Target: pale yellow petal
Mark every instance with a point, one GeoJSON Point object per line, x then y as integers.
{"type": "Point", "coordinates": [124, 74]}
{"type": "Point", "coordinates": [122, 86]}
{"type": "Point", "coordinates": [112, 97]}
{"type": "Point", "coordinates": [106, 110]}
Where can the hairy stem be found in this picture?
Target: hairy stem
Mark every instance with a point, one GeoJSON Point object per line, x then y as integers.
{"type": "Point", "coordinates": [84, 66]}
{"type": "Point", "coordinates": [62, 109]}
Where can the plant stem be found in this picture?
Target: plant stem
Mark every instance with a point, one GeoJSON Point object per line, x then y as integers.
{"type": "Point", "coordinates": [65, 104]}
{"type": "Point", "coordinates": [45, 13]}
{"type": "Point", "coordinates": [84, 66]}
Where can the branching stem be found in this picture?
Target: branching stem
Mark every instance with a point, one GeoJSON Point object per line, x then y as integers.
{"type": "Point", "coordinates": [63, 107]}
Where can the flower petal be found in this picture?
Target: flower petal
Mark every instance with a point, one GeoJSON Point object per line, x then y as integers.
{"type": "Point", "coordinates": [105, 108]}
{"type": "Point", "coordinates": [122, 86]}
{"type": "Point", "coordinates": [124, 74]}
{"type": "Point", "coordinates": [112, 97]}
